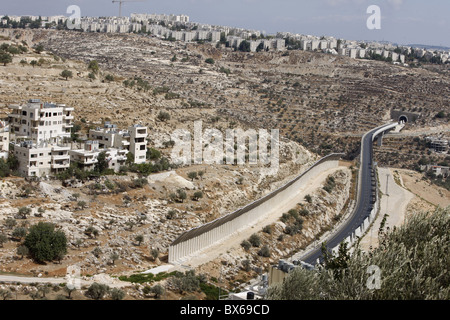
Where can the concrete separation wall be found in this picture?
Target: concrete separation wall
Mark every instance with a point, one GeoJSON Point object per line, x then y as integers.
{"type": "Point", "coordinates": [206, 235]}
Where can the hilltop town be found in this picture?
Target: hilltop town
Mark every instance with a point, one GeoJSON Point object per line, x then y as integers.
{"type": "Point", "coordinates": [86, 140]}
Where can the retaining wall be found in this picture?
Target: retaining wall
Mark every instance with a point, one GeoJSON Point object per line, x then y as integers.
{"type": "Point", "coordinates": [201, 238]}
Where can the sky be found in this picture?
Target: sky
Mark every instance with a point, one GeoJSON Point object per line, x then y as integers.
{"type": "Point", "coordinates": [402, 21]}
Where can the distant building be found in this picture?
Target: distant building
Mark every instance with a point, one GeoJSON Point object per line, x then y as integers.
{"type": "Point", "coordinates": [439, 145]}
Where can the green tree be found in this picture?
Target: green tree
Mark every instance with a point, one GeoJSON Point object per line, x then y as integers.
{"type": "Point", "coordinates": [97, 291]}
{"type": "Point", "coordinates": [33, 63]}
{"type": "Point", "coordinates": [154, 253]}
{"type": "Point", "coordinates": [93, 66]}
{"type": "Point", "coordinates": [3, 239]}
{"type": "Point", "coordinates": [10, 222]}
{"type": "Point", "coordinates": [163, 116]}
{"type": "Point", "coordinates": [109, 77]}
{"type": "Point", "coordinates": [102, 163]}
{"type": "Point", "coordinates": [45, 243]}
{"type": "Point", "coordinates": [24, 212]}
{"type": "Point", "coordinates": [244, 46]}
{"type": "Point", "coordinates": [153, 154]}
{"type": "Point", "coordinates": [39, 48]}
{"type": "Point", "coordinates": [255, 240]}
{"type": "Point", "coordinates": [67, 74]}
{"type": "Point", "coordinates": [19, 233]}
{"type": "Point", "coordinates": [22, 251]}
{"type": "Point", "coordinates": [114, 256]}
{"type": "Point", "coordinates": [5, 58]}
{"type": "Point", "coordinates": [139, 238]}
{"type": "Point", "coordinates": [157, 290]}
{"type": "Point", "coordinates": [117, 294]}
{"type": "Point", "coordinates": [181, 195]}
{"type": "Point", "coordinates": [198, 195]}
{"type": "Point", "coordinates": [192, 175]}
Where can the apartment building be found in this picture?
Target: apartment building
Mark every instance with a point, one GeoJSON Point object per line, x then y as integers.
{"type": "Point", "coordinates": [41, 160]}
{"type": "Point", "coordinates": [132, 140]}
{"type": "Point", "coordinates": [40, 122]}
{"type": "Point", "coordinates": [40, 132]}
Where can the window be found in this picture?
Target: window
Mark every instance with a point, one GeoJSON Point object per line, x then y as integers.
{"type": "Point", "coordinates": [55, 114]}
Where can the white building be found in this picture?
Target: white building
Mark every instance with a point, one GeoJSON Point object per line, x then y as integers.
{"type": "Point", "coordinates": [41, 160]}
{"type": "Point", "coordinates": [41, 122]}
{"type": "Point", "coordinates": [4, 139]}
{"type": "Point", "coordinates": [215, 36]}
{"type": "Point", "coordinates": [132, 140]}
{"type": "Point", "coordinates": [86, 158]}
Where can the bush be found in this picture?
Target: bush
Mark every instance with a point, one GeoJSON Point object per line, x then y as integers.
{"type": "Point", "coordinates": [67, 74]}
{"type": "Point", "coordinates": [246, 245]}
{"type": "Point", "coordinates": [255, 240]}
{"type": "Point", "coordinates": [139, 183]}
{"type": "Point", "coordinates": [210, 61]}
{"type": "Point", "coordinates": [198, 195]}
{"type": "Point", "coordinates": [163, 116]}
{"type": "Point", "coordinates": [44, 243]}
{"type": "Point", "coordinates": [264, 252]}
{"type": "Point", "coordinates": [268, 229]}
{"type": "Point", "coordinates": [97, 291]}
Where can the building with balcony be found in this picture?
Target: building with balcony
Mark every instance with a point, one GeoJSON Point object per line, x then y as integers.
{"type": "Point", "coordinates": [41, 160]}
{"type": "Point", "coordinates": [40, 122]}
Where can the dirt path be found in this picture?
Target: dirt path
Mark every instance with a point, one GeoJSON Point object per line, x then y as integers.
{"type": "Point", "coordinates": [234, 241]}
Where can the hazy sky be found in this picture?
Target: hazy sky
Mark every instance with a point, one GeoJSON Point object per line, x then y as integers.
{"type": "Point", "coordinates": [403, 21]}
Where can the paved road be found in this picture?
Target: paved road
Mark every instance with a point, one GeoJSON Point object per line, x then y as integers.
{"type": "Point", "coordinates": [365, 202]}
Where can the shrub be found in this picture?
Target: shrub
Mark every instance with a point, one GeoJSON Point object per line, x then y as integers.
{"type": "Point", "coordinates": [97, 291]}
{"type": "Point", "coordinates": [163, 116]}
{"type": "Point", "coordinates": [44, 243]}
{"type": "Point", "coordinates": [264, 252]}
{"type": "Point", "coordinates": [255, 240]}
{"type": "Point", "coordinates": [246, 245]}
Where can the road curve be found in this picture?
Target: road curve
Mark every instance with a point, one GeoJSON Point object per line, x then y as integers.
{"type": "Point", "coordinates": [366, 196]}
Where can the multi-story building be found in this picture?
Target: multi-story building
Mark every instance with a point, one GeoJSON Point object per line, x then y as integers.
{"type": "Point", "coordinates": [41, 130]}
{"type": "Point", "coordinates": [40, 160]}
{"type": "Point", "coordinates": [132, 140]}
{"type": "Point", "coordinates": [86, 158]}
{"type": "Point", "coordinates": [41, 122]}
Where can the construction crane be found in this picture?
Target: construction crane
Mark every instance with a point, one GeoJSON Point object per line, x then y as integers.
{"type": "Point", "coordinates": [121, 2]}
